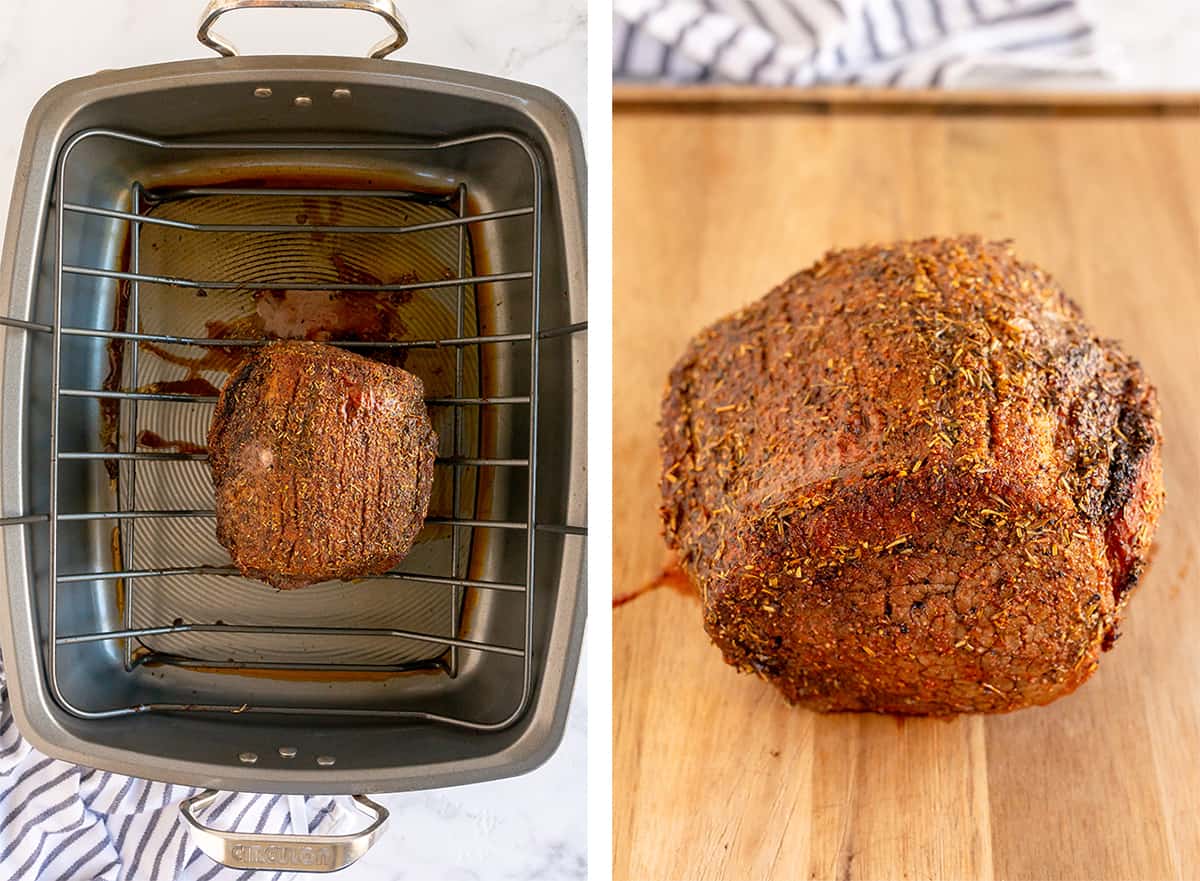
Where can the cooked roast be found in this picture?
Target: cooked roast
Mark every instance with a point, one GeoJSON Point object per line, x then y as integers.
{"type": "Point", "coordinates": [322, 462]}
{"type": "Point", "coordinates": [911, 479]}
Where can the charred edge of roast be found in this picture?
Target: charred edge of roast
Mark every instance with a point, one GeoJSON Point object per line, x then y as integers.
{"type": "Point", "coordinates": [1134, 442]}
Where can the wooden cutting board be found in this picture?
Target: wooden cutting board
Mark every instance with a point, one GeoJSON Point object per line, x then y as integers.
{"type": "Point", "coordinates": [720, 195]}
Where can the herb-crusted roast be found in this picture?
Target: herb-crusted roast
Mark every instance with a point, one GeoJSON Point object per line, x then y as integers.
{"type": "Point", "coordinates": [910, 479]}
{"type": "Point", "coordinates": [322, 462]}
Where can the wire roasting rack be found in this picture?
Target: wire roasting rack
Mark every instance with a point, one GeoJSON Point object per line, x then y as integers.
{"type": "Point", "coordinates": [451, 218]}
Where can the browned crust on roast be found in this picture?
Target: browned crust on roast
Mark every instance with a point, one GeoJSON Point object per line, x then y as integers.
{"type": "Point", "coordinates": [322, 463]}
{"type": "Point", "coordinates": [910, 479]}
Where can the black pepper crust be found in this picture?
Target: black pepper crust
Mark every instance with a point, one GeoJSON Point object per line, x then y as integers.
{"type": "Point", "coordinates": [322, 462]}
{"type": "Point", "coordinates": [910, 479]}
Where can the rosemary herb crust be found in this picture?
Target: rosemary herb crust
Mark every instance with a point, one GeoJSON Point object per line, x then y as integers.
{"type": "Point", "coordinates": [910, 479]}
{"type": "Point", "coordinates": [322, 461]}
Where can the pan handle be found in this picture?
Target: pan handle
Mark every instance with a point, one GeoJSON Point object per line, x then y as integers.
{"type": "Point", "coordinates": [385, 9]}
{"type": "Point", "coordinates": [288, 853]}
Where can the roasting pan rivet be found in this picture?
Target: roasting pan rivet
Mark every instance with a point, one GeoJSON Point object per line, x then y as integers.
{"type": "Point", "coordinates": [288, 752]}
{"type": "Point", "coordinates": [341, 94]}
{"type": "Point", "coordinates": [325, 761]}
{"type": "Point", "coordinates": [249, 758]}
{"type": "Point", "coordinates": [302, 101]}
{"type": "Point", "coordinates": [262, 92]}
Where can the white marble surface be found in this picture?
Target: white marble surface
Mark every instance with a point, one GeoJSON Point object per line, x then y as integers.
{"type": "Point", "coordinates": [43, 42]}
{"type": "Point", "coordinates": [532, 827]}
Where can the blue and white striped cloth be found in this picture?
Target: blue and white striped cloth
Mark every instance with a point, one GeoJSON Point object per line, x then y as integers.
{"type": "Point", "coordinates": [903, 43]}
{"type": "Point", "coordinates": [63, 822]}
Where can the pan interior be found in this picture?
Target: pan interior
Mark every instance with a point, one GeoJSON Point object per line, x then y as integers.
{"type": "Point", "coordinates": [248, 312]}
{"type": "Point", "coordinates": [243, 246]}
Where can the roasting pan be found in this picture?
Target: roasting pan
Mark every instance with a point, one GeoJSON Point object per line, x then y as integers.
{"type": "Point", "coordinates": [163, 220]}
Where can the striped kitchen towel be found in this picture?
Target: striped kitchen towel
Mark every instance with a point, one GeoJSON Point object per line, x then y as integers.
{"type": "Point", "coordinates": [904, 43]}
{"type": "Point", "coordinates": [64, 822]}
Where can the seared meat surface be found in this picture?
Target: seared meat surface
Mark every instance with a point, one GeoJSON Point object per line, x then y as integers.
{"type": "Point", "coordinates": [910, 479]}
{"type": "Point", "coordinates": [322, 462]}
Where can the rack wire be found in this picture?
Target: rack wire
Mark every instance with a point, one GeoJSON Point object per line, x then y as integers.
{"type": "Point", "coordinates": [128, 514]}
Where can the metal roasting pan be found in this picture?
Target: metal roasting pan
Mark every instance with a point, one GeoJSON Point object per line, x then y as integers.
{"type": "Point", "coordinates": [165, 219]}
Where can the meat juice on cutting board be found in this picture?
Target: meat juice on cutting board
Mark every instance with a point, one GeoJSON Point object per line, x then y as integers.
{"type": "Point", "coordinates": [671, 576]}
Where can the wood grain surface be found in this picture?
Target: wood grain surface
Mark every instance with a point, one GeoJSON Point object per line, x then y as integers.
{"type": "Point", "coordinates": [714, 775]}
